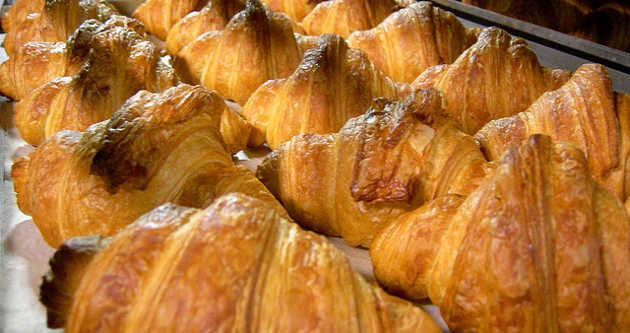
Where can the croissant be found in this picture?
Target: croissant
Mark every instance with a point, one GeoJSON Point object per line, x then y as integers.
{"type": "Point", "coordinates": [48, 21]}
{"type": "Point", "coordinates": [295, 9]}
{"type": "Point", "coordinates": [235, 266]}
{"type": "Point", "coordinates": [342, 17]}
{"type": "Point", "coordinates": [414, 39]}
{"type": "Point", "coordinates": [159, 16]}
{"type": "Point", "coordinates": [121, 61]}
{"type": "Point", "coordinates": [380, 165]}
{"type": "Point", "coordinates": [584, 111]}
{"type": "Point", "coordinates": [496, 77]}
{"type": "Point", "coordinates": [539, 247]}
{"type": "Point", "coordinates": [37, 63]}
{"type": "Point", "coordinates": [215, 15]}
{"type": "Point", "coordinates": [257, 45]}
{"type": "Point", "coordinates": [159, 147]}
{"type": "Point", "coordinates": [332, 84]}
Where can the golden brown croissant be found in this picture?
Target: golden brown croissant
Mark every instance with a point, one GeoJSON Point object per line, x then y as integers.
{"type": "Point", "coordinates": [215, 15]}
{"type": "Point", "coordinates": [414, 39]}
{"type": "Point", "coordinates": [121, 61]}
{"type": "Point", "coordinates": [584, 111]}
{"type": "Point", "coordinates": [380, 165]}
{"type": "Point", "coordinates": [159, 16]}
{"type": "Point", "coordinates": [496, 77]}
{"type": "Point", "coordinates": [342, 17]}
{"type": "Point", "coordinates": [48, 21]}
{"type": "Point", "coordinates": [540, 247]}
{"type": "Point", "coordinates": [236, 266]}
{"type": "Point", "coordinates": [37, 63]}
{"type": "Point", "coordinates": [166, 147]}
{"type": "Point", "coordinates": [332, 84]}
{"type": "Point", "coordinates": [295, 9]}
{"type": "Point", "coordinates": [257, 45]}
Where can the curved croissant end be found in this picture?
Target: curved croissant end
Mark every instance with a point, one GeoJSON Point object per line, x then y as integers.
{"type": "Point", "coordinates": [380, 165]}
{"type": "Point", "coordinates": [278, 278]}
{"type": "Point", "coordinates": [157, 148]}
{"type": "Point", "coordinates": [37, 63]}
{"type": "Point", "coordinates": [295, 9]}
{"type": "Point", "coordinates": [257, 45]}
{"type": "Point", "coordinates": [120, 62]}
{"type": "Point", "coordinates": [342, 17]}
{"type": "Point", "coordinates": [584, 111]}
{"type": "Point", "coordinates": [332, 84]}
{"type": "Point", "coordinates": [496, 77]}
{"type": "Point", "coordinates": [48, 21]}
{"type": "Point", "coordinates": [33, 65]}
{"type": "Point", "coordinates": [412, 40]}
{"type": "Point", "coordinates": [540, 246]}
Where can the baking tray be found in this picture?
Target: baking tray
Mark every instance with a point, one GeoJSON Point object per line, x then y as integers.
{"type": "Point", "coordinates": [24, 255]}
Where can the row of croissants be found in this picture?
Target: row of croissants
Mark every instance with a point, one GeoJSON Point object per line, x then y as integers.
{"type": "Point", "coordinates": [477, 178]}
{"type": "Point", "coordinates": [602, 21]}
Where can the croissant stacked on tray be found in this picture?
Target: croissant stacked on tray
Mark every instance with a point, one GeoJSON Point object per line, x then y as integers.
{"type": "Point", "coordinates": [496, 77]}
{"type": "Point", "coordinates": [255, 46]}
{"type": "Point", "coordinates": [476, 177]}
{"type": "Point", "coordinates": [235, 266]}
{"type": "Point", "coordinates": [159, 147]}
{"type": "Point", "coordinates": [295, 9]}
{"type": "Point", "coordinates": [539, 247]}
{"type": "Point", "coordinates": [215, 15]}
{"type": "Point", "coordinates": [386, 162]}
{"type": "Point", "coordinates": [342, 17]}
{"type": "Point", "coordinates": [37, 63]}
{"type": "Point", "coordinates": [48, 21]}
{"type": "Point", "coordinates": [332, 84]}
{"type": "Point", "coordinates": [414, 39]}
{"type": "Point", "coordinates": [106, 63]}
{"type": "Point", "coordinates": [584, 111]}
{"type": "Point", "coordinates": [159, 16]}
